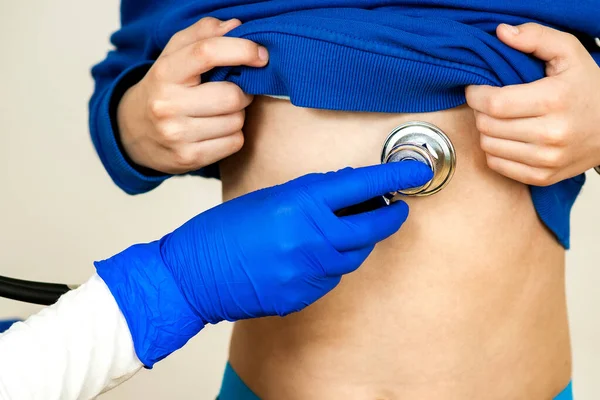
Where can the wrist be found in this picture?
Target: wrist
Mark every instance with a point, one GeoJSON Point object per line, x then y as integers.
{"type": "Point", "coordinates": [196, 288]}
{"type": "Point", "coordinates": [130, 121]}
{"type": "Point", "coordinates": [158, 315]}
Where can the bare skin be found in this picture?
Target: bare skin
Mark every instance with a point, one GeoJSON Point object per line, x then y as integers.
{"type": "Point", "coordinates": [467, 301]}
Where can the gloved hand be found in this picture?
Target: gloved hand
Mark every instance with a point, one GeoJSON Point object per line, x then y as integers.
{"type": "Point", "coordinates": [270, 252]}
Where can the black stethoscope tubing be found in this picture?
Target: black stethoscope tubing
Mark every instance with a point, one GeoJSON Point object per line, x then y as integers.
{"type": "Point", "coordinates": [42, 293]}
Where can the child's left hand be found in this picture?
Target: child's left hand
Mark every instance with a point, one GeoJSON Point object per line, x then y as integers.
{"type": "Point", "coordinates": [546, 131]}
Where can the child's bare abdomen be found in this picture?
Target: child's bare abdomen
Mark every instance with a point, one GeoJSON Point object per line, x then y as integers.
{"type": "Point", "coordinates": [465, 302]}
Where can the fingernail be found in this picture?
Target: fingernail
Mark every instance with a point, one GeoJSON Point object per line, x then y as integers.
{"type": "Point", "coordinates": [263, 54]}
{"type": "Point", "coordinates": [228, 22]}
{"type": "Point", "coordinates": [512, 29]}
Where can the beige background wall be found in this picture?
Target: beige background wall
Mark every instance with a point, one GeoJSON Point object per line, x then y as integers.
{"type": "Point", "coordinates": [59, 211]}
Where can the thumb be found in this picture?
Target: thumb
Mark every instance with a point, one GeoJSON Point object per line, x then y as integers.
{"type": "Point", "coordinates": [545, 43]}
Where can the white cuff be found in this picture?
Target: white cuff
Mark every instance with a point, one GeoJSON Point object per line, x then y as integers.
{"type": "Point", "coordinates": [75, 349]}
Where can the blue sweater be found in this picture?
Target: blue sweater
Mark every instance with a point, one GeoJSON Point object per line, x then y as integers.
{"type": "Point", "coordinates": [395, 56]}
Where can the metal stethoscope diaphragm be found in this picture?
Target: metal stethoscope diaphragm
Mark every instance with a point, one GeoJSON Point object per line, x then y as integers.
{"type": "Point", "coordinates": [420, 141]}
{"type": "Point", "coordinates": [424, 142]}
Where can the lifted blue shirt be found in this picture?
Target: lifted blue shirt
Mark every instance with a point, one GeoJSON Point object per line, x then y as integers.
{"type": "Point", "coordinates": [394, 56]}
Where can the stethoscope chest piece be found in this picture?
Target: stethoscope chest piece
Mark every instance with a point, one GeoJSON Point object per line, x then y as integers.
{"type": "Point", "coordinates": [423, 142]}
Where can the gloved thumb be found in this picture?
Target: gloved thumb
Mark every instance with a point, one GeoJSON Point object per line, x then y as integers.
{"type": "Point", "coordinates": [550, 45]}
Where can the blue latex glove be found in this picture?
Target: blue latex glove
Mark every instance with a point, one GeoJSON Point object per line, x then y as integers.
{"type": "Point", "coordinates": [270, 252]}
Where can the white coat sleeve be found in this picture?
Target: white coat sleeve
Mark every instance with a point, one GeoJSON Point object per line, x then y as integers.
{"type": "Point", "coordinates": [74, 349]}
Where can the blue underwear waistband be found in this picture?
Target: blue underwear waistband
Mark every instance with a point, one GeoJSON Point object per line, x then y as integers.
{"type": "Point", "coordinates": [233, 388]}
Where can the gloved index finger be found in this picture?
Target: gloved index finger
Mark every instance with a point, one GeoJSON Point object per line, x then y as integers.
{"type": "Point", "coordinates": [351, 186]}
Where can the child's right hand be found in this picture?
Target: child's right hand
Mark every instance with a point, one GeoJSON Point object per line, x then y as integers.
{"type": "Point", "coordinates": [173, 123]}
